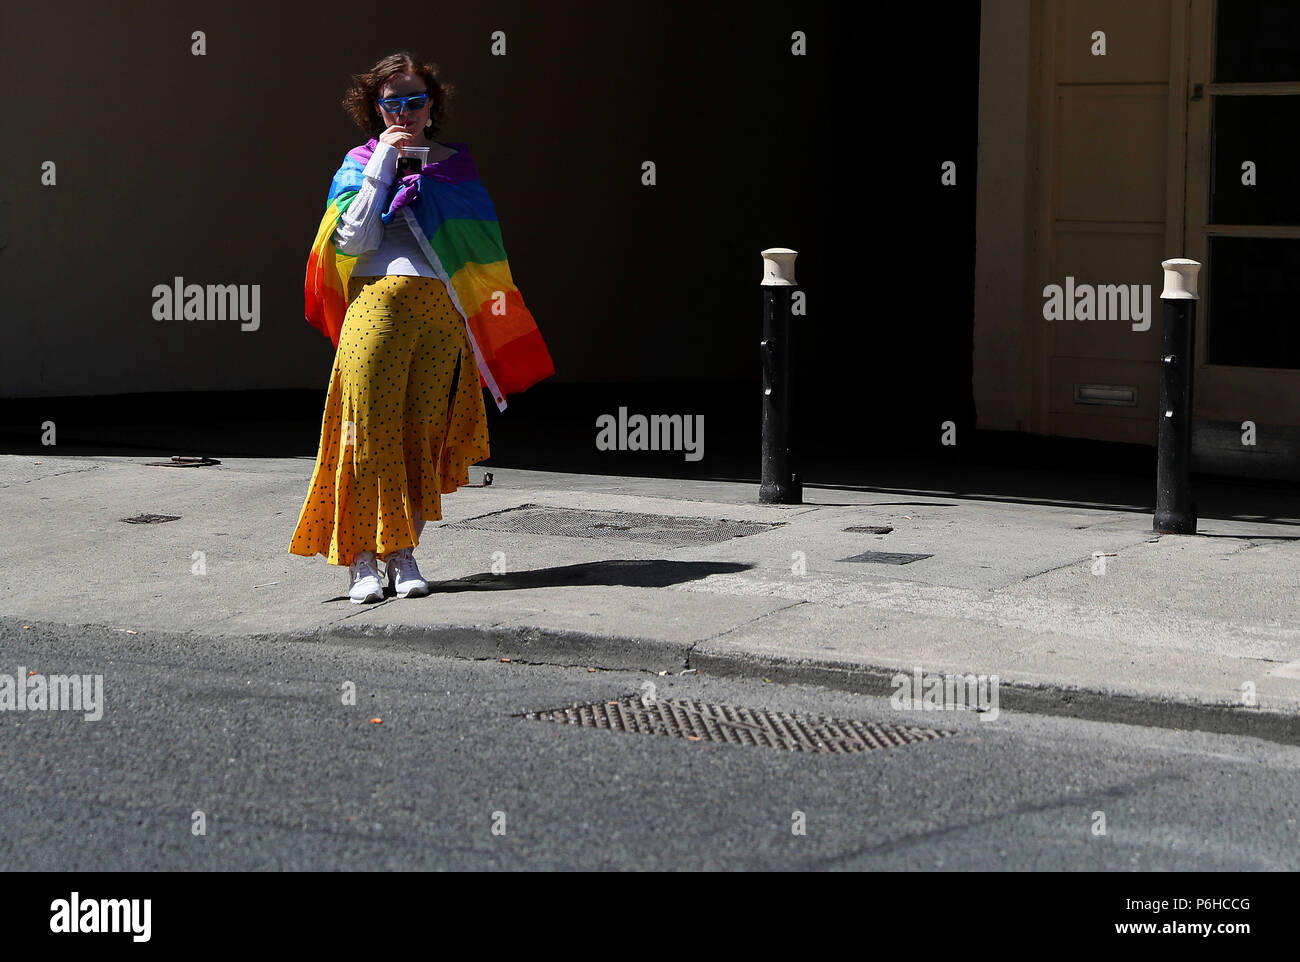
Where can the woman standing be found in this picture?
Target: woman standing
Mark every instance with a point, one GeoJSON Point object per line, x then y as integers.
{"type": "Point", "coordinates": [409, 278]}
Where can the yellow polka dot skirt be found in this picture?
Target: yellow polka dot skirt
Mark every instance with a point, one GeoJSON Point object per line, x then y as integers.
{"type": "Point", "coordinates": [404, 420]}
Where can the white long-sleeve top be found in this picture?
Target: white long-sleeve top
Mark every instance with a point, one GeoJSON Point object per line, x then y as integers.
{"type": "Point", "coordinates": [381, 248]}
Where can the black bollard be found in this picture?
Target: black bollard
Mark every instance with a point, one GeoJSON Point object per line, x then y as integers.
{"type": "Point", "coordinates": [1175, 512]}
{"type": "Point", "coordinates": [780, 482]}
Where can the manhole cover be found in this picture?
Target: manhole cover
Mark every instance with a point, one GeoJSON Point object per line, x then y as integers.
{"type": "Point", "coordinates": [699, 721]}
{"type": "Point", "coordinates": [660, 529]}
{"type": "Point", "coordinates": [151, 518]}
{"type": "Point", "coordinates": [871, 529]}
{"type": "Point", "coordinates": [888, 557]}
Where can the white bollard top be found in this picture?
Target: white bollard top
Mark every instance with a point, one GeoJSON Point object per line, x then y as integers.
{"type": "Point", "coordinates": [1180, 279]}
{"type": "Point", "coordinates": [778, 267]}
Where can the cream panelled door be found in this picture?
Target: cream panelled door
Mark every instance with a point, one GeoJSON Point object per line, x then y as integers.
{"type": "Point", "coordinates": [1243, 207]}
{"type": "Point", "coordinates": [1103, 210]}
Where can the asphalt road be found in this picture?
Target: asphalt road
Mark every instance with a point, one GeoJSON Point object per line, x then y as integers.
{"type": "Point", "coordinates": [255, 735]}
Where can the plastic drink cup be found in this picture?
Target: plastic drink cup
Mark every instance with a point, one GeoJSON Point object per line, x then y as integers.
{"type": "Point", "coordinates": [411, 160]}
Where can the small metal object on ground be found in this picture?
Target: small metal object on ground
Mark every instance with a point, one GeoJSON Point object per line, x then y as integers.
{"type": "Point", "coordinates": [151, 518]}
{"type": "Point", "coordinates": [665, 530]}
{"type": "Point", "coordinates": [698, 721]}
{"type": "Point", "coordinates": [888, 557]}
{"type": "Point", "coordinates": [179, 462]}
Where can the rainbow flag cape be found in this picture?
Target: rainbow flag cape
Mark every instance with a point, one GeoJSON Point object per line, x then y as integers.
{"type": "Point", "coordinates": [455, 223]}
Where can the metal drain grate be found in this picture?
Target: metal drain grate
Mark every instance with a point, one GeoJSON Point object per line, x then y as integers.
{"type": "Point", "coordinates": [888, 557]}
{"type": "Point", "coordinates": [151, 518]}
{"type": "Point", "coordinates": [699, 721]}
{"type": "Point", "coordinates": [660, 529]}
{"type": "Point", "coordinates": [871, 528]}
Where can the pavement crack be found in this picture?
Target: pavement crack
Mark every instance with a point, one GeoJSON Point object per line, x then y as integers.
{"type": "Point", "coordinates": [1060, 567]}
{"type": "Point", "coordinates": [743, 624]}
{"type": "Point", "coordinates": [52, 474]}
{"type": "Point", "coordinates": [1078, 561]}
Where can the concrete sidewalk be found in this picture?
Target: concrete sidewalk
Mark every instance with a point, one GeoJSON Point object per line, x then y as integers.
{"type": "Point", "coordinates": [1175, 632]}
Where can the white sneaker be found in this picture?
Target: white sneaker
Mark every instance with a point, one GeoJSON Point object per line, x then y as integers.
{"type": "Point", "coordinates": [363, 579]}
{"type": "Point", "coordinates": [404, 577]}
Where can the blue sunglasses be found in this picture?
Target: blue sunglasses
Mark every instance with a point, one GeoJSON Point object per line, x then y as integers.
{"type": "Point", "coordinates": [395, 105]}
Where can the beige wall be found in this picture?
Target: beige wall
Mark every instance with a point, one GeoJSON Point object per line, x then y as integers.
{"type": "Point", "coordinates": [200, 185]}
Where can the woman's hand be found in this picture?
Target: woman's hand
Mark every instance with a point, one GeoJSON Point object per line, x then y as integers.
{"type": "Point", "coordinates": [396, 135]}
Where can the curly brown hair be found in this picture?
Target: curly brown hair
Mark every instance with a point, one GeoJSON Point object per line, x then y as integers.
{"type": "Point", "coordinates": [359, 101]}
